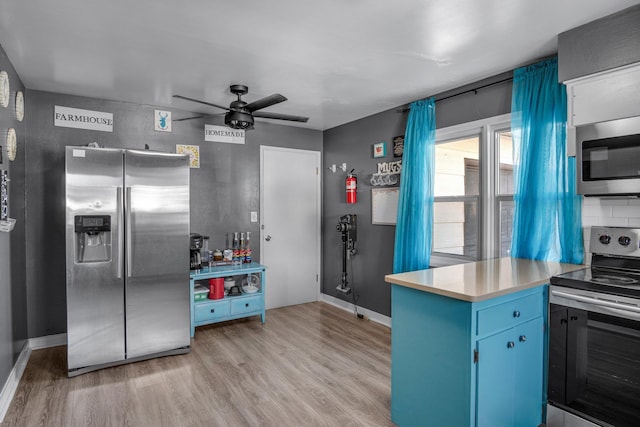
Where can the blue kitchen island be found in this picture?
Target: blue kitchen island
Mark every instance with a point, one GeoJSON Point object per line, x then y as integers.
{"type": "Point", "coordinates": [468, 343]}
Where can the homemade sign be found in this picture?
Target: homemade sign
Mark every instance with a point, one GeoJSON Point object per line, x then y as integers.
{"type": "Point", "coordinates": [214, 133]}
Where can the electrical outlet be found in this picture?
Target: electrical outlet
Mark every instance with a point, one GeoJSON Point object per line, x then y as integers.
{"type": "Point", "coordinates": [254, 216]}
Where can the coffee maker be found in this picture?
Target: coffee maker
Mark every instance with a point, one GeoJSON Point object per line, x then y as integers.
{"type": "Point", "coordinates": [195, 248]}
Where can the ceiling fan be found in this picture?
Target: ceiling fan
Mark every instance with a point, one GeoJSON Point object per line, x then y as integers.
{"type": "Point", "coordinates": [240, 114]}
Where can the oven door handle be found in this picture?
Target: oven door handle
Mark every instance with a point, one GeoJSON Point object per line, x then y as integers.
{"type": "Point", "coordinates": [596, 301]}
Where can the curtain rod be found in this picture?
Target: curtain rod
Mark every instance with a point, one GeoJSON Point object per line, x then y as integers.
{"type": "Point", "coordinates": [474, 90]}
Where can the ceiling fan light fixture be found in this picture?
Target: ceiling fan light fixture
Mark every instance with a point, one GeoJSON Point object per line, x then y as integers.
{"type": "Point", "coordinates": [238, 120]}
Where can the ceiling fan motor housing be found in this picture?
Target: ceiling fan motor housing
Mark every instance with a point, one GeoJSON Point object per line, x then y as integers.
{"type": "Point", "coordinates": [238, 120]}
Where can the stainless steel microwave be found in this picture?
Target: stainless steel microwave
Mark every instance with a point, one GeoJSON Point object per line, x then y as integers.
{"type": "Point", "coordinates": [608, 158]}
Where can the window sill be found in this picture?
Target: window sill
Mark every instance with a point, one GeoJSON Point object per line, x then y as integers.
{"type": "Point", "coordinates": [443, 261]}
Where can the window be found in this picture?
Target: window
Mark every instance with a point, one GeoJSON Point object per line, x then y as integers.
{"type": "Point", "coordinates": [473, 191]}
{"type": "Point", "coordinates": [457, 194]}
{"type": "Point", "coordinates": [504, 198]}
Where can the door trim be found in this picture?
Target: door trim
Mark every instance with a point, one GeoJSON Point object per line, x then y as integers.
{"type": "Point", "coordinates": [318, 155]}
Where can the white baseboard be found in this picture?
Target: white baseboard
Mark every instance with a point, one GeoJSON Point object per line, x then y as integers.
{"type": "Point", "coordinates": [11, 385]}
{"type": "Point", "coordinates": [47, 341]}
{"type": "Point", "coordinates": [347, 306]}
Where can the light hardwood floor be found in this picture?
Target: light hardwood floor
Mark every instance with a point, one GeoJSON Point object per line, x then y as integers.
{"type": "Point", "coordinates": [309, 365]}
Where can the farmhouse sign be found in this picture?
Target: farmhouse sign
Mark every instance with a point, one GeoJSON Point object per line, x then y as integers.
{"type": "Point", "coordinates": [82, 119]}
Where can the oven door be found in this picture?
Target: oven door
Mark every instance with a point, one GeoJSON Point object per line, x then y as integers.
{"type": "Point", "coordinates": [594, 356]}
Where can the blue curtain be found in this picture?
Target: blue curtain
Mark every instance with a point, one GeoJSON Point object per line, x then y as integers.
{"type": "Point", "coordinates": [547, 221]}
{"type": "Point", "coordinates": [415, 204]}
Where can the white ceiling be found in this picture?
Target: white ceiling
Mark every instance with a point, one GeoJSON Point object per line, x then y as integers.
{"type": "Point", "coordinates": [336, 60]}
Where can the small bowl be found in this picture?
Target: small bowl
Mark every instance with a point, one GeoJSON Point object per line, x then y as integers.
{"type": "Point", "coordinates": [250, 289]}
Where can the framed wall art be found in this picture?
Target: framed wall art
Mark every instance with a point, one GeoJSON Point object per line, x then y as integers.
{"type": "Point", "coordinates": [194, 153]}
{"type": "Point", "coordinates": [380, 149]}
{"type": "Point", "coordinates": [398, 146]}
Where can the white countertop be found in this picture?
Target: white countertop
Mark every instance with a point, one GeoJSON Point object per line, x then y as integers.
{"type": "Point", "coordinates": [477, 281]}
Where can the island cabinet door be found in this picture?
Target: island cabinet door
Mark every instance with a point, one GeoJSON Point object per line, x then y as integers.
{"type": "Point", "coordinates": [509, 377]}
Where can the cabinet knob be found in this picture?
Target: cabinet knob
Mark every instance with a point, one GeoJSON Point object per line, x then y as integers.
{"type": "Point", "coordinates": [516, 313]}
{"type": "Point", "coordinates": [523, 338]}
{"type": "Point", "coordinates": [213, 310]}
{"type": "Point", "coordinates": [246, 304]}
{"type": "Point", "coordinates": [511, 344]}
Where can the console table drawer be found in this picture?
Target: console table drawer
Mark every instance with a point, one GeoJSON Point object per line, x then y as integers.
{"type": "Point", "coordinates": [246, 305]}
{"type": "Point", "coordinates": [211, 310]}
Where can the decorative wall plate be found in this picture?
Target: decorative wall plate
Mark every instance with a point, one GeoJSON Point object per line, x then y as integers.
{"type": "Point", "coordinates": [19, 105]}
{"type": "Point", "coordinates": [11, 144]}
{"type": "Point", "coordinates": [4, 89]}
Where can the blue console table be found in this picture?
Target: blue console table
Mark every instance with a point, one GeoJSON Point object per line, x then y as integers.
{"type": "Point", "coordinates": [230, 307]}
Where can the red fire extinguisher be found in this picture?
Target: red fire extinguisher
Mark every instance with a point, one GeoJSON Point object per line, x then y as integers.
{"type": "Point", "coordinates": [352, 187]}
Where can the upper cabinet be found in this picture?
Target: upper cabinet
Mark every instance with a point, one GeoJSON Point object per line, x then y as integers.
{"type": "Point", "coordinates": [600, 64]}
{"type": "Point", "coordinates": [602, 97]}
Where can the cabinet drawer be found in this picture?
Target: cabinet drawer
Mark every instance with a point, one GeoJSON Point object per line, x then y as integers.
{"type": "Point", "coordinates": [510, 313]}
{"type": "Point", "coordinates": [211, 310]}
{"type": "Point", "coordinates": [246, 305]}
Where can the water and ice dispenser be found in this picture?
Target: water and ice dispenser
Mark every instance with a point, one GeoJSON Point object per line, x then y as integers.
{"type": "Point", "coordinates": [93, 238]}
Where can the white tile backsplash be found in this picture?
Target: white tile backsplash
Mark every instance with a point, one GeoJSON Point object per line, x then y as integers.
{"type": "Point", "coordinates": [597, 210]}
{"type": "Point", "coordinates": [604, 212]}
{"type": "Point", "coordinates": [628, 211]}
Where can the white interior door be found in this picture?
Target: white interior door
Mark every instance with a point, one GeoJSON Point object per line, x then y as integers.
{"type": "Point", "coordinates": [290, 222]}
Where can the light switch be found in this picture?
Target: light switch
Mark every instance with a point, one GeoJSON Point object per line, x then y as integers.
{"type": "Point", "coordinates": [254, 216]}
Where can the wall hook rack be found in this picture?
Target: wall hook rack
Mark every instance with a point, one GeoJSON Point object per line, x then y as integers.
{"type": "Point", "coordinates": [333, 168]}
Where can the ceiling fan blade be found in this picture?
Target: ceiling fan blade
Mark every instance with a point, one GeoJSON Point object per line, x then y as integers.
{"type": "Point", "coordinates": [200, 102]}
{"type": "Point", "coordinates": [188, 118]}
{"type": "Point", "coordinates": [266, 115]}
{"type": "Point", "coordinates": [197, 117]}
{"type": "Point", "coordinates": [265, 102]}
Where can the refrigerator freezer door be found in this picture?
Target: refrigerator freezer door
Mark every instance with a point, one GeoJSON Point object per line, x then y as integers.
{"type": "Point", "coordinates": [95, 284]}
{"type": "Point", "coordinates": [157, 252]}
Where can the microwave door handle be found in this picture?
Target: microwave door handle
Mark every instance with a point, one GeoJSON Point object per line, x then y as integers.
{"type": "Point", "coordinates": [599, 302]}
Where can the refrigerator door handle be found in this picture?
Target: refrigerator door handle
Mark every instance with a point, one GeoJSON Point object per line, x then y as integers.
{"type": "Point", "coordinates": [127, 210]}
{"type": "Point", "coordinates": [120, 232]}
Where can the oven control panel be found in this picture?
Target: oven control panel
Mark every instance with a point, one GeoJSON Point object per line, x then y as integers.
{"type": "Point", "coordinates": [615, 241]}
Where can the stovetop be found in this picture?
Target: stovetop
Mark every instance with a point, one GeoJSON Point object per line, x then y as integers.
{"type": "Point", "coordinates": [598, 279]}
{"type": "Point", "coordinates": [615, 264]}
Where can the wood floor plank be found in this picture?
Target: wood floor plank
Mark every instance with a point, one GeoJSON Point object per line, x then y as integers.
{"type": "Point", "coordinates": [309, 365]}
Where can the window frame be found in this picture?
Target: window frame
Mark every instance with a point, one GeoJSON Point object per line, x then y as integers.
{"type": "Point", "coordinates": [488, 201]}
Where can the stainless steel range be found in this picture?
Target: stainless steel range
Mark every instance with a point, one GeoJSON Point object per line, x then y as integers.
{"type": "Point", "coordinates": [594, 335]}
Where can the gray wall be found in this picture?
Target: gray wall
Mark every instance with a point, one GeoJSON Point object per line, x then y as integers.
{"type": "Point", "coordinates": [223, 191]}
{"type": "Point", "coordinates": [606, 43]}
{"type": "Point", "coordinates": [13, 318]}
{"type": "Point", "coordinates": [352, 143]}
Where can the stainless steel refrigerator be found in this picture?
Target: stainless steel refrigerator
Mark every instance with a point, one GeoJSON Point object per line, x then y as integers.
{"type": "Point", "coordinates": [127, 256]}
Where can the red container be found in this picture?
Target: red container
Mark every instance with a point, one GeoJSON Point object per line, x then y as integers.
{"type": "Point", "coordinates": [216, 288]}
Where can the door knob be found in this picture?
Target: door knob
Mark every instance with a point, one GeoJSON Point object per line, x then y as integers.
{"type": "Point", "coordinates": [268, 238]}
